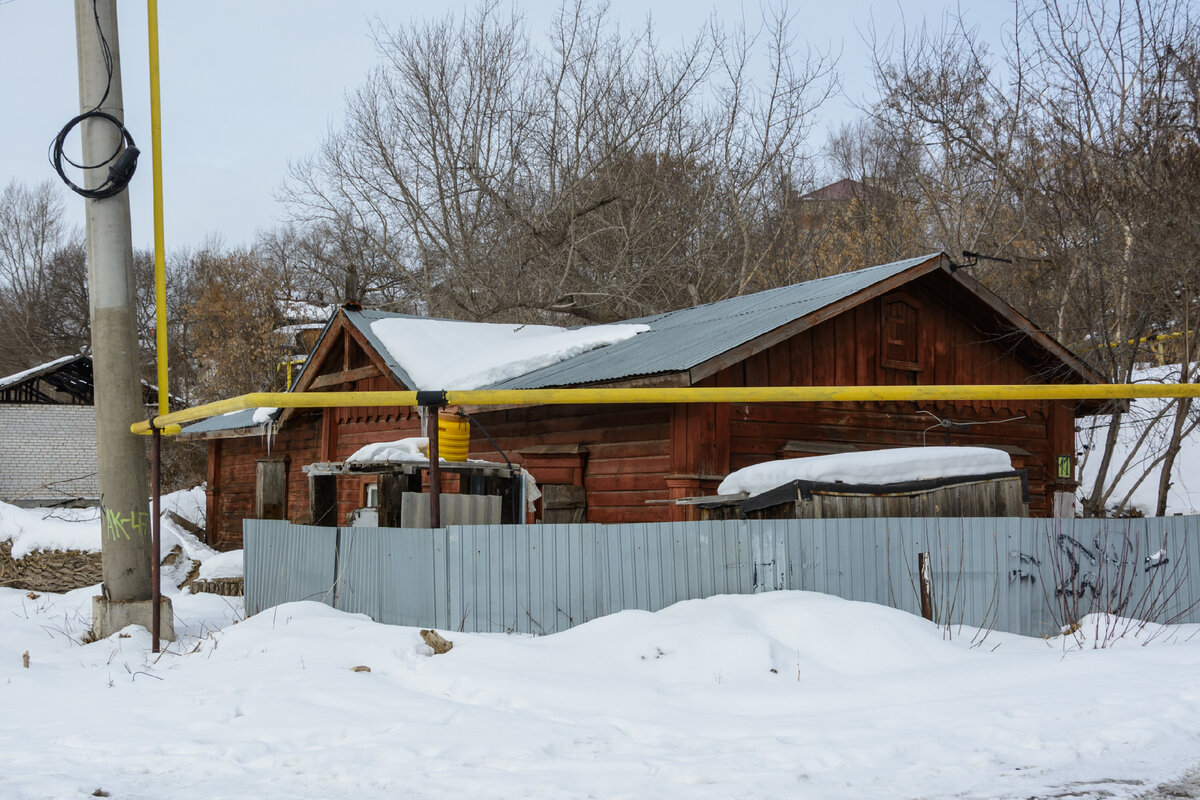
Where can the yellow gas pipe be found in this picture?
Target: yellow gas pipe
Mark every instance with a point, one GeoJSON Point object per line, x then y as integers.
{"type": "Point", "coordinates": [692, 394]}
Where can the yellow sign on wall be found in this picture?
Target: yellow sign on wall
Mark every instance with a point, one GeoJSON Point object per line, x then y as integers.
{"type": "Point", "coordinates": [1066, 469]}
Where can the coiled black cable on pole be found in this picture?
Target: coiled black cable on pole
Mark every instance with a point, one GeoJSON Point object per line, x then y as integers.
{"type": "Point", "coordinates": [123, 159]}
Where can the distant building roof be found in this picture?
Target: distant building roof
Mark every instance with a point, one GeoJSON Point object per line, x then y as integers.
{"type": "Point", "coordinates": [63, 381]}
{"type": "Point", "coordinates": [845, 189]}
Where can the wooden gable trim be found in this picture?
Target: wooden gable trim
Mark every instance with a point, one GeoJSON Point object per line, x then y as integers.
{"type": "Point", "coordinates": [345, 376]}
{"type": "Point", "coordinates": [823, 314]}
{"type": "Point", "coordinates": [334, 348]}
{"type": "Point", "coordinates": [1022, 324]}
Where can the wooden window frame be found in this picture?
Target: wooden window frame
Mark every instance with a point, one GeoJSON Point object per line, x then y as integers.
{"type": "Point", "coordinates": [913, 365]}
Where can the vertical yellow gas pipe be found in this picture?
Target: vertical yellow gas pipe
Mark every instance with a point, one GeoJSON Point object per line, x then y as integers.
{"type": "Point", "coordinates": [160, 269]}
{"type": "Point", "coordinates": [160, 322]}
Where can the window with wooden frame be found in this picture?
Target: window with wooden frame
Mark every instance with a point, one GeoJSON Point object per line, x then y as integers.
{"type": "Point", "coordinates": [900, 333]}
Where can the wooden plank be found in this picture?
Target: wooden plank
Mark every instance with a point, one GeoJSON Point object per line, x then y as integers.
{"type": "Point", "coordinates": [624, 482]}
{"type": "Point", "coordinates": [866, 334]}
{"type": "Point", "coordinates": [757, 369]}
{"type": "Point", "coordinates": [270, 488]}
{"type": "Point", "coordinates": [801, 358]}
{"type": "Point", "coordinates": [564, 504]}
{"type": "Point", "coordinates": [844, 348]}
{"type": "Point", "coordinates": [824, 355]}
{"type": "Point", "coordinates": [327, 435]}
{"type": "Point", "coordinates": [779, 363]}
{"type": "Point", "coordinates": [214, 476]}
{"type": "Point", "coordinates": [646, 465]}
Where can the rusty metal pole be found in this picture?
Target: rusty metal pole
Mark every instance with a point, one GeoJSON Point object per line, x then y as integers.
{"type": "Point", "coordinates": [926, 578]}
{"type": "Point", "coordinates": [155, 536]}
{"type": "Point", "coordinates": [435, 472]}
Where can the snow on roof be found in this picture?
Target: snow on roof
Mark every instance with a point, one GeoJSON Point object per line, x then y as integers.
{"type": "Point", "coordinates": [877, 467]}
{"type": "Point", "coordinates": [16, 378]}
{"type": "Point", "coordinates": [446, 354]}
{"type": "Point", "coordinates": [410, 449]}
{"type": "Point", "coordinates": [234, 420]}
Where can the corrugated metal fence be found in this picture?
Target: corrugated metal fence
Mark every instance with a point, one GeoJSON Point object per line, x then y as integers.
{"type": "Point", "coordinates": [1027, 576]}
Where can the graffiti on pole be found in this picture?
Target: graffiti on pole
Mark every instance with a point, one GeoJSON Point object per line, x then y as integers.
{"type": "Point", "coordinates": [125, 526]}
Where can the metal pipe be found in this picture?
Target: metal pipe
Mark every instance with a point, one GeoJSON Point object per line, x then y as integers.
{"type": "Point", "coordinates": [155, 536]}
{"type": "Point", "coordinates": [435, 471]}
{"type": "Point", "coordinates": [160, 268]}
{"type": "Point", "coordinates": [684, 394]}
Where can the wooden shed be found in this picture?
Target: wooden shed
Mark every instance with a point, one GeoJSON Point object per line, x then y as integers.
{"type": "Point", "coordinates": [996, 495]}
{"type": "Point", "coordinates": [918, 321]}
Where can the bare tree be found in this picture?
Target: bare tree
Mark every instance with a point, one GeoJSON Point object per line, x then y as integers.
{"type": "Point", "coordinates": [601, 178]}
{"type": "Point", "coordinates": [1075, 155]}
{"type": "Point", "coordinates": [43, 279]}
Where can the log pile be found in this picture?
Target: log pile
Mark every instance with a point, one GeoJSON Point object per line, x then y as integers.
{"type": "Point", "coordinates": [49, 570]}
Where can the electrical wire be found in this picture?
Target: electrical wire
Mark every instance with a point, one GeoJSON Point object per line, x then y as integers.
{"type": "Point", "coordinates": [483, 430]}
{"type": "Point", "coordinates": [123, 159]}
{"type": "Point", "coordinates": [948, 424]}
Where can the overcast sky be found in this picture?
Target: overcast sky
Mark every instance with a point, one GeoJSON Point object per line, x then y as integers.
{"type": "Point", "coordinates": [248, 85]}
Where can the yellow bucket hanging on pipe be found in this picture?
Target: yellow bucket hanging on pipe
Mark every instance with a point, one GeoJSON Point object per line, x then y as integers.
{"type": "Point", "coordinates": [454, 436]}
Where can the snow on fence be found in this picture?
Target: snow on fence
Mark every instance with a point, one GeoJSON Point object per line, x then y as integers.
{"type": "Point", "coordinates": [1028, 576]}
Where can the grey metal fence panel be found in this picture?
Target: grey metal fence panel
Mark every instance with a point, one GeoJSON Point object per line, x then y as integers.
{"type": "Point", "coordinates": [389, 574]}
{"type": "Point", "coordinates": [285, 562]}
{"type": "Point", "coordinates": [1021, 575]}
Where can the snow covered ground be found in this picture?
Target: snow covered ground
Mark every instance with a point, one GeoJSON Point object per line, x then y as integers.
{"type": "Point", "coordinates": [1143, 435]}
{"type": "Point", "coordinates": [778, 695]}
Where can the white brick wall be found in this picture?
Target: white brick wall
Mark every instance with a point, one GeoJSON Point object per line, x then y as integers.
{"type": "Point", "coordinates": [47, 446]}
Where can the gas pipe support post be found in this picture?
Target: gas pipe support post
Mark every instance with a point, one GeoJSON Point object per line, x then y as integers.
{"type": "Point", "coordinates": [155, 536]}
{"type": "Point", "coordinates": [432, 402]}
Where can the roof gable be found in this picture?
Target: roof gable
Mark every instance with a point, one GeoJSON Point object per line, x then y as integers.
{"type": "Point", "coordinates": [682, 340]}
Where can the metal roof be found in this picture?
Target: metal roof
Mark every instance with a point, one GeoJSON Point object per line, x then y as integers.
{"type": "Point", "coordinates": [680, 340]}
{"type": "Point", "coordinates": [677, 340]}
{"type": "Point", "coordinates": [232, 421]}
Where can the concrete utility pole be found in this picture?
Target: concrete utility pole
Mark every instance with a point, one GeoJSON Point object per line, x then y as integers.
{"type": "Point", "coordinates": [126, 546]}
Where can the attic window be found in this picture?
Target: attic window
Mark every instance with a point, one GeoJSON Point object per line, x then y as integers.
{"type": "Point", "coordinates": [900, 335]}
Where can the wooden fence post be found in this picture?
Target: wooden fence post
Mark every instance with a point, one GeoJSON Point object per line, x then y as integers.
{"type": "Point", "coordinates": [926, 578]}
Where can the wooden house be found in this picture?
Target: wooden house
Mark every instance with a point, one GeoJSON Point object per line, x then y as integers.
{"type": "Point", "coordinates": [918, 321]}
